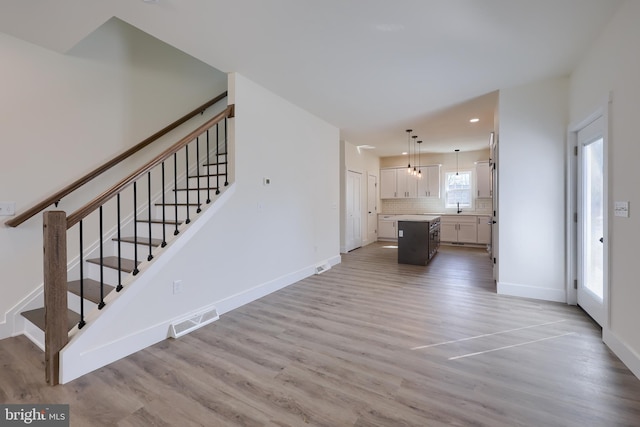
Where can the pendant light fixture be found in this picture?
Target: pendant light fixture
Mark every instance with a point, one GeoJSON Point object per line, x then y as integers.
{"type": "Point", "coordinates": [414, 172]}
{"type": "Point", "coordinates": [409, 149]}
{"type": "Point", "coordinates": [419, 167]}
{"type": "Point", "coordinates": [457, 151]}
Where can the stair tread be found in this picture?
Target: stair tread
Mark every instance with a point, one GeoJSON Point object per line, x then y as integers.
{"type": "Point", "coordinates": [37, 317]}
{"type": "Point", "coordinates": [196, 188]}
{"type": "Point", "coordinates": [178, 204]}
{"type": "Point", "coordinates": [91, 289]}
{"type": "Point", "coordinates": [140, 240]}
{"type": "Point", "coordinates": [159, 221]}
{"type": "Point", "coordinates": [127, 265]}
{"type": "Point", "coordinates": [213, 175]}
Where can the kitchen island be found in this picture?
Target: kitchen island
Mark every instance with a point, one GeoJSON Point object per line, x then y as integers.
{"type": "Point", "coordinates": [418, 238]}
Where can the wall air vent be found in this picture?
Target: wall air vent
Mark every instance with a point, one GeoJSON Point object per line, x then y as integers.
{"type": "Point", "coordinates": [183, 326]}
{"type": "Point", "coordinates": [321, 268]}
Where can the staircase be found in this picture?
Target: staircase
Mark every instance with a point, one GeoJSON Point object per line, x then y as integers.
{"type": "Point", "coordinates": [101, 276]}
{"type": "Point", "coordinates": [122, 231]}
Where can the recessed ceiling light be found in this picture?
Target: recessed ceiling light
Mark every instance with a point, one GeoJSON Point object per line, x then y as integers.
{"type": "Point", "coordinates": [474, 120]}
{"type": "Point", "coordinates": [404, 153]}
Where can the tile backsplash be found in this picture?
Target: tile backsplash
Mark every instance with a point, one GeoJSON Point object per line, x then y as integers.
{"type": "Point", "coordinates": [427, 205]}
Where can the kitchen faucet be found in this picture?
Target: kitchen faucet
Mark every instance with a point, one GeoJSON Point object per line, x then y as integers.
{"type": "Point", "coordinates": [459, 210]}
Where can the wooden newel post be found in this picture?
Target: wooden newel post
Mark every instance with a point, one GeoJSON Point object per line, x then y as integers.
{"type": "Point", "coordinates": [55, 291]}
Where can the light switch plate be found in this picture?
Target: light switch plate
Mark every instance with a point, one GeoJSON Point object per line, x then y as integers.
{"type": "Point", "coordinates": [621, 209]}
{"type": "Point", "coordinates": [7, 208]}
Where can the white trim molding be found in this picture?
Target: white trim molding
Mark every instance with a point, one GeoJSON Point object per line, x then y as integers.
{"type": "Point", "coordinates": [625, 353]}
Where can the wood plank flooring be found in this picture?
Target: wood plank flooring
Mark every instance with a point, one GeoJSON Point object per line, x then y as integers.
{"type": "Point", "coordinates": [368, 343]}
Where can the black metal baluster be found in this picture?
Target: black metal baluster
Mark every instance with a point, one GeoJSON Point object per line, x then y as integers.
{"type": "Point", "coordinates": [119, 287]}
{"type": "Point", "coordinates": [135, 229]}
{"type": "Point", "coordinates": [150, 257]}
{"type": "Point", "coordinates": [217, 159]}
{"type": "Point", "coordinates": [82, 322]}
{"type": "Point", "coordinates": [226, 155]}
{"type": "Point", "coordinates": [175, 186]}
{"type": "Point", "coordinates": [164, 232]}
{"type": "Point", "coordinates": [207, 171]}
{"type": "Point", "coordinates": [101, 304]}
{"type": "Point", "coordinates": [186, 159]}
{"type": "Point", "coordinates": [197, 172]}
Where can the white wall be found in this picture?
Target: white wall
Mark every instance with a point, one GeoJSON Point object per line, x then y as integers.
{"type": "Point", "coordinates": [63, 115]}
{"type": "Point", "coordinates": [365, 163]}
{"type": "Point", "coordinates": [613, 64]}
{"type": "Point", "coordinates": [532, 134]}
{"type": "Point", "coordinates": [263, 238]}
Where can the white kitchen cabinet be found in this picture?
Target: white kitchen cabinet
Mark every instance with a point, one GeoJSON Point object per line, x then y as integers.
{"type": "Point", "coordinates": [387, 229]}
{"type": "Point", "coordinates": [396, 183]}
{"type": "Point", "coordinates": [484, 230]}
{"type": "Point", "coordinates": [407, 184]}
{"type": "Point", "coordinates": [429, 184]}
{"type": "Point", "coordinates": [458, 229]}
{"type": "Point", "coordinates": [483, 179]}
{"type": "Point", "coordinates": [388, 184]}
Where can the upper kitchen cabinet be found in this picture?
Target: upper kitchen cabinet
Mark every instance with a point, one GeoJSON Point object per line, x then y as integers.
{"type": "Point", "coordinates": [407, 184]}
{"type": "Point", "coordinates": [483, 179]}
{"type": "Point", "coordinates": [396, 183]}
{"type": "Point", "coordinates": [429, 184]}
{"type": "Point", "coordinates": [388, 184]}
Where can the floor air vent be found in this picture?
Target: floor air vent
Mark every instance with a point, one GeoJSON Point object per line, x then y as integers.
{"type": "Point", "coordinates": [322, 268]}
{"type": "Point", "coordinates": [193, 322]}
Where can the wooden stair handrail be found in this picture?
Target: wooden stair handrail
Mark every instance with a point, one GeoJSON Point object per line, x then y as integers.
{"type": "Point", "coordinates": [56, 197]}
{"type": "Point", "coordinates": [84, 211]}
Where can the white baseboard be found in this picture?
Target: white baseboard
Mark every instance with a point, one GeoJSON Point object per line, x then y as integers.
{"type": "Point", "coordinates": [626, 354]}
{"type": "Point", "coordinates": [234, 301]}
{"type": "Point", "coordinates": [546, 294]}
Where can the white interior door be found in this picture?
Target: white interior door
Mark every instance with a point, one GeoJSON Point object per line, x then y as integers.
{"type": "Point", "coordinates": [372, 208]}
{"type": "Point", "coordinates": [592, 220]}
{"type": "Point", "coordinates": [353, 238]}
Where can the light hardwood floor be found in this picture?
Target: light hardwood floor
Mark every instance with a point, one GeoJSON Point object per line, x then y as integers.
{"type": "Point", "coordinates": [368, 343]}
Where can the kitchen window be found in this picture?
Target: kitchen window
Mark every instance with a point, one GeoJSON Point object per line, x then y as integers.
{"type": "Point", "coordinates": [458, 189]}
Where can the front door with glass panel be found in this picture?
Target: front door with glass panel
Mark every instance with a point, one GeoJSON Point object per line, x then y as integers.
{"type": "Point", "coordinates": [591, 220]}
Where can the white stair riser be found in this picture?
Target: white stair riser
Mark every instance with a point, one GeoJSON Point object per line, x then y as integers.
{"type": "Point", "coordinates": [156, 230]}
{"type": "Point", "coordinates": [181, 196]}
{"type": "Point", "coordinates": [214, 169]}
{"type": "Point", "coordinates": [203, 182]}
{"type": "Point", "coordinates": [35, 334]}
{"type": "Point", "coordinates": [73, 302]}
{"type": "Point", "coordinates": [170, 212]}
{"type": "Point", "coordinates": [127, 249]}
{"type": "Point", "coordinates": [110, 275]}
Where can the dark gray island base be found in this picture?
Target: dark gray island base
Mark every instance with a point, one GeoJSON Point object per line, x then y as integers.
{"type": "Point", "coordinates": [418, 239]}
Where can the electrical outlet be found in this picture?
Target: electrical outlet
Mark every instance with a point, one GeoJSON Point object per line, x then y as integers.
{"type": "Point", "coordinates": [7, 208]}
{"type": "Point", "coordinates": [177, 287]}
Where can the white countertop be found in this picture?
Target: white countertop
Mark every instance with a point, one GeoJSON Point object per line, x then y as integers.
{"type": "Point", "coordinates": [423, 217]}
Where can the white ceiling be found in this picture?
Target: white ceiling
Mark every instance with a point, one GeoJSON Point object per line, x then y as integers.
{"type": "Point", "coordinates": [373, 68]}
